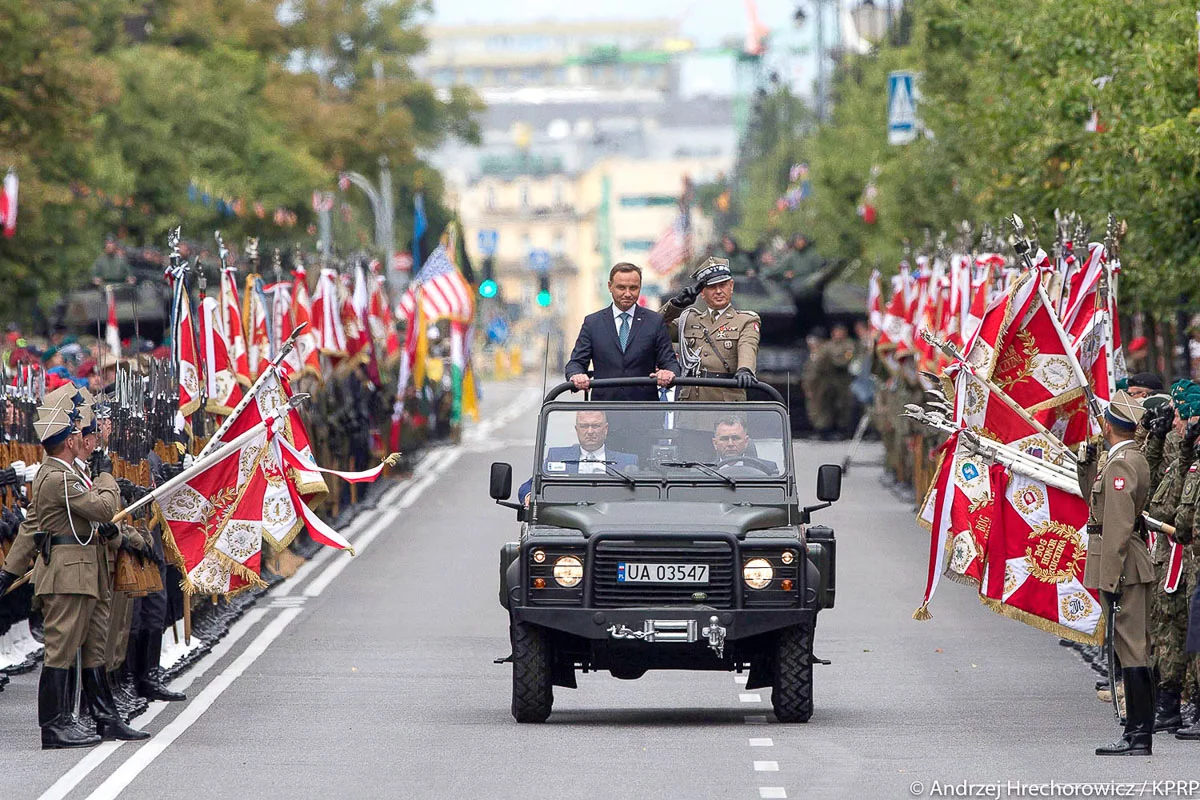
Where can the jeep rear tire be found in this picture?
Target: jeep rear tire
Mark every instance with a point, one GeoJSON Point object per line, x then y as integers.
{"type": "Point", "coordinates": [532, 690]}
{"type": "Point", "coordinates": [792, 690]}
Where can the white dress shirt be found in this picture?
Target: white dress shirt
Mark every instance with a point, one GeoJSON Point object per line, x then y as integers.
{"type": "Point", "coordinates": [591, 463]}
{"type": "Point", "coordinates": [617, 318]}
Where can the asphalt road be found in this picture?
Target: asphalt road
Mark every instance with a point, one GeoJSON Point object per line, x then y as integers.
{"type": "Point", "coordinates": [373, 677]}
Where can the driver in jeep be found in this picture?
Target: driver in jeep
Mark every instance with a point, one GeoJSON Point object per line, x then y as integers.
{"type": "Point", "coordinates": [731, 442]}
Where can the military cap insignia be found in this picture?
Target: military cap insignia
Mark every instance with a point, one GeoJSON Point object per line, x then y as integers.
{"type": "Point", "coordinates": [728, 345]}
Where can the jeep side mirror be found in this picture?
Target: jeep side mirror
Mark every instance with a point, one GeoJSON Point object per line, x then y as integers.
{"type": "Point", "coordinates": [501, 480]}
{"type": "Point", "coordinates": [829, 482]}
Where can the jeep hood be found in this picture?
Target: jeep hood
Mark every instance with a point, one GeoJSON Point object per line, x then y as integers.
{"type": "Point", "coordinates": [649, 516]}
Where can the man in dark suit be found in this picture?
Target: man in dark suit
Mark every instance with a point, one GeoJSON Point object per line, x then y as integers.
{"type": "Point", "coordinates": [587, 457]}
{"type": "Point", "coordinates": [623, 340]}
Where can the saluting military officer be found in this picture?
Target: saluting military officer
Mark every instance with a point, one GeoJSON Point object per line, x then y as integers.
{"type": "Point", "coordinates": [1119, 564]}
{"type": "Point", "coordinates": [71, 576]}
{"type": "Point", "coordinates": [718, 342]}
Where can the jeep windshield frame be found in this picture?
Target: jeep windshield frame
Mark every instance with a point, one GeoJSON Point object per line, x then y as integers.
{"type": "Point", "coordinates": [769, 415]}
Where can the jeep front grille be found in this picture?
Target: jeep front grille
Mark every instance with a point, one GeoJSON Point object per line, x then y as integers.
{"type": "Point", "coordinates": [608, 593]}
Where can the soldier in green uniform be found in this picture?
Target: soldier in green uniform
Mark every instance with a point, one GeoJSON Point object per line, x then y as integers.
{"type": "Point", "coordinates": [833, 379]}
{"type": "Point", "coordinates": [1119, 565]}
{"type": "Point", "coordinates": [1176, 653]}
{"type": "Point", "coordinates": [111, 265]}
{"type": "Point", "coordinates": [1168, 612]}
{"type": "Point", "coordinates": [717, 342]}
{"type": "Point", "coordinates": [65, 539]}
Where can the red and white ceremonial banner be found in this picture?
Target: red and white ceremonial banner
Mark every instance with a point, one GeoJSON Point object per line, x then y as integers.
{"type": "Point", "coordinates": [217, 519]}
{"type": "Point", "coordinates": [112, 330]}
{"type": "Point", "coordinates": [354, 318]}
{"type": "Point", "coordinates": [221, 387]}
{"type": "Point", "coordinates": [306, 342]}
{"type": "Point", "coordinates": [279, 296]}
{"type": "Point", "coordinates": [1036, 552]}
{"type": "Point", "coordinates": [379, 311]}
{"type": "Point", "coordinates": [231, 325]}
{"type": "Point", "coordinates": [186, 356]}
{"type": "Point", "coordinates": [327, 316]}
{"type": "Point", "coordinates": [215, 522]}
{"type": "Point", "coordinates": [875, 304]}
{"type": "Point", "coordinates": [255, 314]}
{"type": "Point", "coordinates": [897, 326]}
{"type": "Point", "coordinates": [8, 204]}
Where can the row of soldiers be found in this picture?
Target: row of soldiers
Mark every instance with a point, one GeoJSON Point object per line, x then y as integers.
{"type": "Point", "coordinates": [97, 638]}
{"type": "Point", "coordinates": [1168, 432]}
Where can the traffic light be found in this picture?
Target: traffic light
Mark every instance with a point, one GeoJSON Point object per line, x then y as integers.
{"type": "Point", "coordinates": [543, 296]}
{"type": "Point", "coordinates": [487, 281]}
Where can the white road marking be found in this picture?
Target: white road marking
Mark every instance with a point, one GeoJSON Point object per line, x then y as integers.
{"type": "Point", "coordinates": [741, 679]}
{"type": "Point", "coordinates": [766, 766]}
{"type": "Point", "coordinates": [764, 742]}
{"type": "Point", "coordinates": [438, 459]}
{"type": "Point", "coordinates": [756, 719]}
{"type": "Point", "coordinates": [750, 697]}
{"type": "Point", "coordinates": [73, 777]}
{"type": "Point", "coordinates": [152, 749]}
{"type": "Point", "coordinates": [772, 792]}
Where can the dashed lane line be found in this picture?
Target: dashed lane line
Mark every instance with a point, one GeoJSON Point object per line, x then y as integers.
{"type": "Point", "coordinates": [750, 697]}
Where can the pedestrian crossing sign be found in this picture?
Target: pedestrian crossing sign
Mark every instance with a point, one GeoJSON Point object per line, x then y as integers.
{"type": "Point", "coordinates": [902, 108]}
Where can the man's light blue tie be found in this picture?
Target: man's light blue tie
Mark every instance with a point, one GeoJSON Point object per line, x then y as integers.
{"type": "Point", "coordinates": [623, 332]}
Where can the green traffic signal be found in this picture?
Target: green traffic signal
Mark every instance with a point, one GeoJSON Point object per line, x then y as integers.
{"type": "Point", "coordinates": [543, 298]}
{"type": "Point", "coordinates": [488, 289]}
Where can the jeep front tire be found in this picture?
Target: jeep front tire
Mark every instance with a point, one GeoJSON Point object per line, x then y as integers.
{"type": "Point", "coordinates": [532, 690]}
{"type": "Point", "coordinates": [792, 689]}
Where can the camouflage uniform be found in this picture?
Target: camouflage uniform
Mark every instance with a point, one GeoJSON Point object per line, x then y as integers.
{"type": "Point", "coordinates": [1185, 525]}
{"type": "Point", "coordinates": [1168, 611]}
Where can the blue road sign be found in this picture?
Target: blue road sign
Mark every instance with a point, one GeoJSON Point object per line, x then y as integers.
{"type": "Point", "coordinates": [539, 260]}
{"type": "Point", "coordinates": [487, 240]}
{"type": "Point", "coordinates": [497, 330]}
{"type": "Point", "coordinates": [902, 108]}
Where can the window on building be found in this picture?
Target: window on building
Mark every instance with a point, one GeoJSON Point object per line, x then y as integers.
{"type": "Point", "coordinates": [523, 193]}
{"type": "Point", "coordinates": [625, 74]}
{"type": "Point", "coordinates": [533, 75]}
{"type": "Point", "coordinates": [473, 76]}
{"type": "Point", "coordinates": [500, 76]}
{"type": "Point", "coordinates": [560, 195]}
{"type": "Point", "coordinates": [559, 245]}
{"type": "Point", "coordinates": [489, 198]}
{"type": "Point", "coordinates": [637, 245]}
{"type": "Point", "coordinates": [560, 76]}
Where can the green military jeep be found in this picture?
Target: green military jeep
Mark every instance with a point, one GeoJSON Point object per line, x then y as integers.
{"type": "Point", "coordinates": [665, 536]}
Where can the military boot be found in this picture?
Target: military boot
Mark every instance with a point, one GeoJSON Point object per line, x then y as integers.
{"type": "Point", "coordinates": [55, 697]}
{"type": "Point", "coordinates": [109, 723]}
{"type": "Point", "coordinates": [1168, 714]}
{"type": "Point", "coordinates": [1138, 738]}
{"type": "Point", "coordinates": [150, 682]}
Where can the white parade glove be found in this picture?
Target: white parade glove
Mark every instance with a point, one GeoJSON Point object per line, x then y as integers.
{"type": "Point", "coordinates": [31, 472]}
{"type": "Point", "coordinates": [188, 460]}
{"type": "Point", "coordinates": [18, 467]}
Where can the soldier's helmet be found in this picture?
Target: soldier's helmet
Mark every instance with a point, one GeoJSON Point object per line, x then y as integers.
{"type": "Point", "coordinates": [713, 271]}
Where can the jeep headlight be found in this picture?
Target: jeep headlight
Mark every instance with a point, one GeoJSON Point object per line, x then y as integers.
{"type": "Point", "coordinates": [568, 571]}
{"type": "Point", "coordinates": [758, 573]}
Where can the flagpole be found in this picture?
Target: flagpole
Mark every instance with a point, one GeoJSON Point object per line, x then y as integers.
{"type": "Point", "coordinates": [272, 369]}
{"type": "Point", "coordinates": [204, 462]}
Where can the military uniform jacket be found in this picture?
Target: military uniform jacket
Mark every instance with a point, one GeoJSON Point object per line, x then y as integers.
{"type": "Point", "coordinates": [725, 343]}
{"type": "Point", "coordinates": [60, 499]}
{"type": "Point", "coordinates": [1118, 556]}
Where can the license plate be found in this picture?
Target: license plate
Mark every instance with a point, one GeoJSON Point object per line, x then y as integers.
{"type": "Point", "coordinates": [636, 572]}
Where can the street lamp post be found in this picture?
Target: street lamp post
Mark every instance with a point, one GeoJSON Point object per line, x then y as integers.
{"type": "Point", "coordinates": [383, 206]}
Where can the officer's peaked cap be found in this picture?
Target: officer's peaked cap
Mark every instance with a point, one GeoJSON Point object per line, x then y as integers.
{"type": "Point", "coordinates": [713, 271]}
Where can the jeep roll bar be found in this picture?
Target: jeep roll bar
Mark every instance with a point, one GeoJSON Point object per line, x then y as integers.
{"type": "Point", "coordinates": [608, 383]}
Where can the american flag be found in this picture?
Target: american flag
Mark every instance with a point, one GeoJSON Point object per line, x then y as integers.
{"type": "Point", "coordinates": [672, 248]}
{"type": "Point", "coordinates": [445, 294]}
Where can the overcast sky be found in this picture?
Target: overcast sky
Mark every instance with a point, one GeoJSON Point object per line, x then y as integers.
{"type": "Point", "coordinates": [707, 21]}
